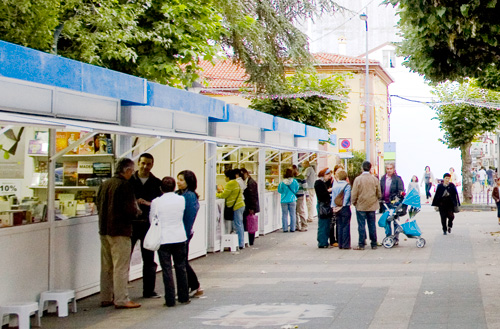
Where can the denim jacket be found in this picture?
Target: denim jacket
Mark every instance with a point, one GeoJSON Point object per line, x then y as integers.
{"type": "Point", "coordinates": [337, 188]}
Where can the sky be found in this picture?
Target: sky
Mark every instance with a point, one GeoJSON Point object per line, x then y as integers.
{"type": "Point", "coordinates": [415, 132]}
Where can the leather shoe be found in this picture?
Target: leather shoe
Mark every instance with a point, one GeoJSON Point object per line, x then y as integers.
{"type": "Point", "coordinates": [129, 304]}
{"type": "Point", "coordinates": [106, 304]}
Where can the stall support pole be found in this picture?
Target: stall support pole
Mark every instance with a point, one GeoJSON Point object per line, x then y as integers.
{"type": "Point", "coordinates": [262, 189]}
{"type": "Point", "coordinates": [210, 183]}
{"type": "Point", "coordinates": [51, 196]}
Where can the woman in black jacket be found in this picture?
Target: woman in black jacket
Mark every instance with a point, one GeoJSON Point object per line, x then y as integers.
{"type": "Point", "coordinates": [324, 200]}
{"type": "Point", "coordinates": [251, 195]}
{"type": "Point", "coordinates": [446, 199]}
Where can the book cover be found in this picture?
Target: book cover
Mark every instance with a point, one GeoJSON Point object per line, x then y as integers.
{"type": "Point", "coordinates": [73, 137]}
{"type": "Point", "coordinates": [102, 169]}
{"type": "Point", "coordinates": [85, 171]}
{"type": "Point", "coordinates": [38, 147]}
{"type": "Point", "coordinates": [58, 177]}
{"type": "Point", "coordinates": [86, 147]}
{"type": "Point", "coordinates": [101, 143]}
{"type": "Point", "coordinates": [61, 140]}
{"type": "Point", "coordinates": [70, 173]}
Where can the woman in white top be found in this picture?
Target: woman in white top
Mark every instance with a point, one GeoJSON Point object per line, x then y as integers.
{"type": "Point", "coordinates": [169, 209]}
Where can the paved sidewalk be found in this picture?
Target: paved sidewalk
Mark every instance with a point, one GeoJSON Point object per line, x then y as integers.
{"type": "Point", "coordinates": [285, 281]}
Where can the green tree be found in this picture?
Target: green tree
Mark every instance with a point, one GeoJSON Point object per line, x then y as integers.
{"type": "Point", "coordinates": [354, 165]}
{"type": "Point", "coordinates": [163, 40]}
{"type": "Point", "coordinates": [462, 121]}
{"type": "Point", "coordinates": [446, 40]}
{"type": "Point", "coordinates": [312, 110]}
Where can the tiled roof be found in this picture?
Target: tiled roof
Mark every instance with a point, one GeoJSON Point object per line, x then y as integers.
{"type": "Point", "coordinates": [227, 75]}
{"type": "Point", "coordinates": [327, 58]}
{"type": "Point", "coordinates": [224, 74]}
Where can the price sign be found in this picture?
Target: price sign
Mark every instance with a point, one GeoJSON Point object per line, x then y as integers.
{"type": "Point", "coordinates": [9, 187]}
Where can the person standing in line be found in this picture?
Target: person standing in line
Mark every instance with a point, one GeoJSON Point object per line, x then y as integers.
{"type": "Point", "coordinates": [365, 196]}
{"type": "Point", "coordinates": [446, 199]}
{"type": "Point", "coordinates": [252, 207]}
{"type": "Point", "coordinates": [146, 189]}
{"type": "Point", "coordinates": [496, 196]}
{"type": "Point", "coordinates": [342, 189]}
{"type": "Point", "coordinates": [324, 200]}
{"type": "Point", "coordinates": [288, 189]}
{"type": "Point", "coordinates": [391, 187]}
{"type": "Point", "coordinates": [413, 185]}
{"type": "Point", "coordinates": [310, 177]}
{"type": "Point", "coordinates": [482, 177]}
{"type": "Point", "coordinates": [233, 195]}
{"type": "Point", "coordinates": [490, 173]}
{"type": "Point", "coordinates": [301, 200]}
{"type": "Point", "coordinates": [428, 179]}
{"type": "Point", "coordinates": [334, 228]}
{"type": "Point", "coordinates": [187, 184]}
{"type": "Point", "coordinates": [169, 210]}
{"type": "Point", "coordinates": [117, 207]}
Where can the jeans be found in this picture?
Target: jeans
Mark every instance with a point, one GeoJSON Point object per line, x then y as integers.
{"type": "Point", "coordinates": [192, 278]}
{"type": "Point", "coordinates": [428, 190]}
{"type": "Point", "coordinates": [366, 217]}
{"type": "Point", "coordinates": [238, 226]}
{"type": "Point", "coordinates": [498, 209]}
{"type": "Point", "coordinates": [178, 252]}
{"type": "Point", "coordinates": [344, 227]}
{"type": "Point", "coordinates": [288, 208]}
{"type": "Point", "coordinates": [139, 230]}
{"type": "Point", "coordinates": [301, 213]}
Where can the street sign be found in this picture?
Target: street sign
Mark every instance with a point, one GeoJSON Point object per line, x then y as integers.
{"type": "Point", "coordinates": [345, 145]}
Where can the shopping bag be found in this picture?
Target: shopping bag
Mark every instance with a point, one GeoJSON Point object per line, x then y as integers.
{"type": "Point", "coordinates": [411, 228]}
{"type": "Point", "coordinates": [382, 221]}
{"type": "Point", "coordinates": [152, 241]}
{"type": "Point", "coordinates": [252, 223]}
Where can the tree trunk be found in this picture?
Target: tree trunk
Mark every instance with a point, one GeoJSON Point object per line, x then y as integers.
{"type": "Point", "coordinates": [57, 34]}
{"type": "Point", "coordinates": [466, 173]}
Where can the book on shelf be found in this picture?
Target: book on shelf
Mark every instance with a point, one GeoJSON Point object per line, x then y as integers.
{"type": "Point", "coordinates": [59, 172]}
{"type": "Point", "coordinates": [102, 169]}
{"type": "Point", "coordinates": [70, 173]}
{"type": "Point", "coordinates": [85, 171]}
{"type": "Point", "coordinates": [38, 147]}
{"type": "Point", "coordinates": [103, 144]}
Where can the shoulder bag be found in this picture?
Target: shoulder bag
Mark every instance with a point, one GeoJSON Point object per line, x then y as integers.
{"type": "Point", "coordinates": [229, 211]}
{"type": "Point", "coordinates": [339, 199]}
{"type": "Point", "coordinates": [152, 240]}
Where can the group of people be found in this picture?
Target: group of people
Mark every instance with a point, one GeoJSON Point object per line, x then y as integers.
{"type": "Point", "coordinates": [241, 195]}
{"type": "Point", "coordinates": [127, 204]}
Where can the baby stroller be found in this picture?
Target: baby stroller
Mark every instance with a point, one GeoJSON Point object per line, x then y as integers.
{"type": "Point", "coordinates": [410, 227]}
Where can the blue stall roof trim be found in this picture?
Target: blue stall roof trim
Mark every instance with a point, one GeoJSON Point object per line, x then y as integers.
{"type": "Point", "coordinates": [289, 126]}
{"type": "Point", "coordinates": [317, 133]}
{"type": "Point", "coordinates": [181, 100]}
{"type": "Point", "coordinates": [242, 115]}
{"type": "Point", "coordinates": [27, 64]}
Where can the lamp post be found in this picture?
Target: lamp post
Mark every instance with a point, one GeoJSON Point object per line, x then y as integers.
{"type": "Point", "coordinates": [364, 17]}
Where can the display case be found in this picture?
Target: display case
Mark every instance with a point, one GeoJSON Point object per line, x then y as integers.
{"type": "Point", "coordinates": [232, 157]}
{"type": "Point", "coordinates": [276, 164]}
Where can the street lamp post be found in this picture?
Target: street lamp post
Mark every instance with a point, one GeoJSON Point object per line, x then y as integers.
{"type": "Point", "coordinates": [364, 17]}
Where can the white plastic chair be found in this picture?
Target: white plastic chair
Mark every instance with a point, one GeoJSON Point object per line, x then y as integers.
{"type": "Point", "coordinates": [61, 297]}
{"type": "Point", "coordinates": [23, 311]}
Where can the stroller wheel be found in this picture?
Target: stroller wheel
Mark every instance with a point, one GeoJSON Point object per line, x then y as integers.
{"type": "Point", "coordinates": [388, 242]}
{"type": "Point", "coordinates": [420, 242]}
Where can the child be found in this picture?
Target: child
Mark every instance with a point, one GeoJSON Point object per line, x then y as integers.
{"type": "Point", "coordinates": [496, 196]}
{"type": "Point", "coordinates": [413, 185]}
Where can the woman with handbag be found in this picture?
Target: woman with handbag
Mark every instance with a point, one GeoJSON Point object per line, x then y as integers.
{"type": "Point", "coordinates": [325, 211]}
{"type": "Point", "coordinates": [446, 199]}
{"type": "Point", "coordinates": [187, 184]}
{"type": "Point", "coordinates": [288, 189]}
{"type": "Point", "coordinates": [235, 206]}
{"type": "Point", "coordinates": [341, 204]}
{"type": "Point", "coordinates": [169, 210]}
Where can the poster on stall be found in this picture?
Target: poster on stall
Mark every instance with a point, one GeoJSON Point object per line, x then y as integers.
{"type": "Point", "coordinates": [12, 152]}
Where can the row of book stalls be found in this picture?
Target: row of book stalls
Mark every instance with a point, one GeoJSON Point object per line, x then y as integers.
{"type": "Point", "coordinates": [61, 131]}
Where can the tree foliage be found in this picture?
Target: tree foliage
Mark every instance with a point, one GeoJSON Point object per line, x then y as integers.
{"type": "Point", "coordinates": [311, 110]}
{"type": "Point", "coordinates": [446, 40]}
{"type": "Point", "coordinates": [354, 165]}
{"type": "Point", "coordinates": [462, 122]}
{"type": "Point", "coordinates": [163, 40]}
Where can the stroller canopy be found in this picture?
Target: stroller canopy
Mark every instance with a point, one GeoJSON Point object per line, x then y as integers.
{"type": "Point", "coordinates": [412, 199]}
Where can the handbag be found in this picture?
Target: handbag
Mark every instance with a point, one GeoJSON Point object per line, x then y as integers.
{"type": "Point", "coordinates": [339, 199]}
{"type": "Point", "coordinates": [229, 211]}
{"type": "Point", "coordinates": [252, 223]}
{"type": "Point", "coordinates": [325, 211]}
{"type": "Point", "coordinates": [152, 241]}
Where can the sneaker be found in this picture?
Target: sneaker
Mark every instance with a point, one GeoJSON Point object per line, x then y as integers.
{"type": "Point", "coordinates": [186, 302]}
{"type": "Point", "coordinates": [449, 229]}
{"type": "Point", "coordinates": [444, 233]}
{"type": "Point", "coordinates": [153, 295]}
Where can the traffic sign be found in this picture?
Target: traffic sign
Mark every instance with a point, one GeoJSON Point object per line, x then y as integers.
{"type": "Point", "coordinates": [345, 145]}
